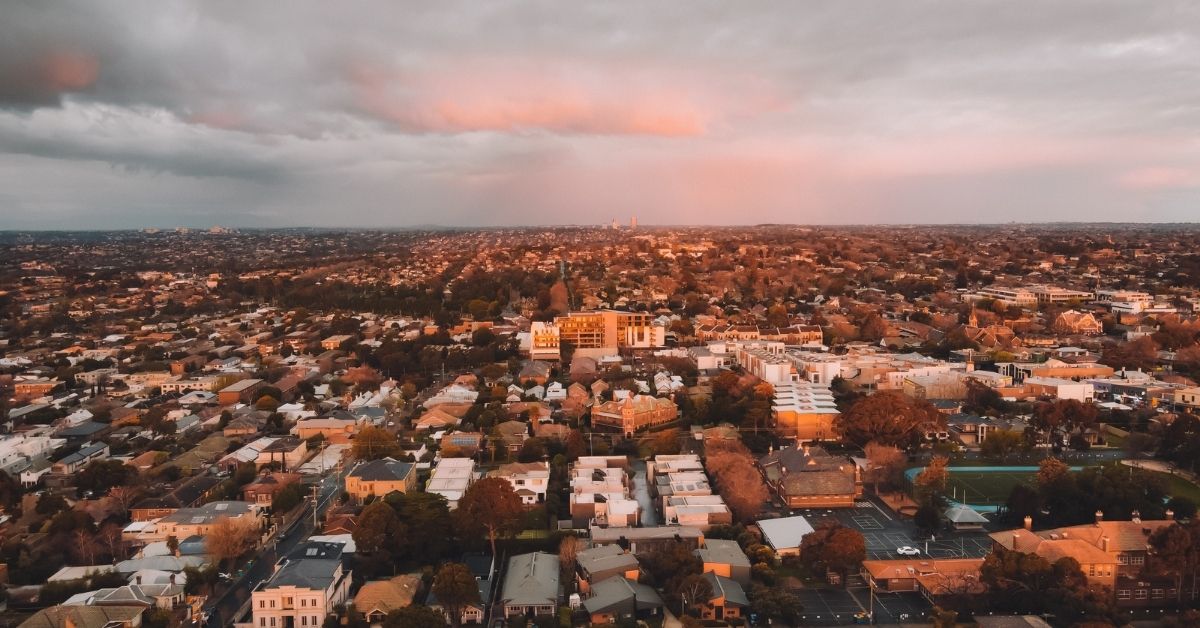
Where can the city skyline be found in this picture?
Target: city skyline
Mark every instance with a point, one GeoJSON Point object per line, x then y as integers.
{"type": "Point", "coordinates": [186, 114]}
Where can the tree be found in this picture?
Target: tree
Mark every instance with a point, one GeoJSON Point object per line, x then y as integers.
{"type": "Point", "coordinates": [943, 618]}
{"type": "Point", "coordinates": [888, 418]}
{"type": "Point", "coordinates": [1052, 471]}
{"type": "Point", "coordinates": [426, 519]}
{"type": "Point", "coordinates": [1000, 444]}
{"type": "Point", "coordinates": [373, 443]}
{"type": "Point", "coordinates": [694, 590]}
{"type": "Point", "coordinates": [287, 498]}
{"type": "Point", "coordinates": [568, 553]}
{"type": "Point", "coordinates": [738, 481]}
{"type": "Point", "coordinates": [455, 588]}
{"type": "Point", "coordinates": [1175, 551]}
{"type": "Point", "coordinates": [229, 538]}
{"type": "Point", "coordinates": [489, 506]}
{"type": "Point", "coordinates": [927, 518]}
{"type": "Point", "coordinates": [415, 616]}
{"type": "Point", "coordinates": [833, 547]}
{"type": "Point", "coordinates": [884, 464]}
{"type": "Point", "coordinates": [668, 564]}
{"type": "Point", "coordinates": [776, 603]}
{"type": "Point", "coordinates": [377, 528]}
{"type": "Point", "coordinates": [933, 479]}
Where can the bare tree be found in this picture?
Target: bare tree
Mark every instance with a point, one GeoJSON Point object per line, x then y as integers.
{"type": "Point", "coordinates": [229, 538]}
{"type": "Point", "coordinates": [84, 546]}
{"type": "Point", "coordinates": [110, 538]}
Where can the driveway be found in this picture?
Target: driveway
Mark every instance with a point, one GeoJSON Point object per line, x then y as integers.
{"type": "Point", "coordinates": [641, 492]}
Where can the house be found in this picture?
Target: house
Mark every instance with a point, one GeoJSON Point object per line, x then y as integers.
{"type": "Point", "coordinates": [335, 342]}
{"type": "Point", "coordinates": [450, 478]}
{"type": "Point", "coordinates": [466, 442]}
{"type": "Point", "coordinates": [242, 391]}
{"type": "Point", "coordinates": [304, 589]}
{"type": "Point", "coordinates": [286, 452]}
{"type": "Point", "coordinates": [784, 534]}
{"type": "Point", "coordinates": [1111, 553]}
{"type": "Point", "coordinates": [513, 434]}
{"type": "Point", "coordinates": [699, 511]}
{"type": "Point", "coordinates": [380, 477]}
{"type": "Point", "coordinates": [482, 567]}
{"type": "Point", "coordinates": [807, 477]}
{"type": "Point", "coordinates": [332, 429]}
{"type": "Point", "coordinates": [941, 581]}
{"type": "Point", "coordinates": [530, 585]}
{"type": "Point", "coordinates": [728, 599]}
{"type": "Point", "coordinates": [74, 462]}
{"type": "Point", "coordinates": [641, 540]}
{"type": "Point", "coordinates": [86, 617]}
{"type": "Point", "coordinates": [725, 558]}
{"type": "Point", "coordinates": [617, 599]}
{"type": "Point", "coordinates": [262, 489]}
{"type": "Point", "coordinates": [377, 598]}
{"type": "Point", "coordinates": [435, 419]}
{"type": "Point", "coordinates": [198, 521]}
{"type": "Point", "coordinates": [1059, 388]}
{"type": "Point", "coordinates": [599, 563]}
{"type": "Point", "coordinates": [528, 479]}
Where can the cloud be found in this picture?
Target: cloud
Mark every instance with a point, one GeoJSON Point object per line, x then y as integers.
{"type": "Point", "coordinates": [1159, 178]}
{"type": "Point", "coordinates": [527, 111]}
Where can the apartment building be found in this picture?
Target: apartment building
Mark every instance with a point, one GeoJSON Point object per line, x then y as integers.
{"type": "Point", "coordinates": [304, 589]}
{"type": "Point", "coordinates": [603, 332]}
{"type": "Point", "coordinates": [544, 341]}
{"type": "Point", "coordinates": [804, 411]}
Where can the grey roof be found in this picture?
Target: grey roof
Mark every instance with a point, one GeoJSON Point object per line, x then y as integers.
{"type": "Point", "coordinates": [385, 469]}
{"type": "Point", "coordinates": [729, 589]}
{"type": "Point", "coordinates": [723, 552]}
{"type": "Point", "coordinates": [618, 595]}
{"type": "Point", "coordinates": [83, 616]}
{"type": "Point", "coordinates": [83, 454]}
{"type": "Point", "coordinates": [311, 565]}
{"type": "Point", "coordinates": [603, 559]}
{"type": "Point", "coordinates": [964, 514]}
{"type": "Point", "coordinates": [786, 532]}
{"type": "Point", "coordinates": [208, 512]}
{"type": "Point", "coordinates": [531, 580]}
{"type": "Point", "coordinates": [613, 535]}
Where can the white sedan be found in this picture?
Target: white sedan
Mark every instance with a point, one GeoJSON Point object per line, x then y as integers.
{"type": "Point", "coordinates": [908, 551]}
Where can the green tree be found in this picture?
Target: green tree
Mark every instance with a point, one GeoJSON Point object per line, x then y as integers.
{"type": "Point", "coordinates": [378, 528]}
{"type": "Point", "coordinates": [373, 443]}
{"type": "Point", "coordinates": [455, 588]}
{"type": "Point", "coordinates": [489, 507]}
{"type": "Point", "coordinates": [415, 616]}
{"type": "Point", "coordinates": [833, 547]}
{"type": "Point", "coordinates": [888, 418]}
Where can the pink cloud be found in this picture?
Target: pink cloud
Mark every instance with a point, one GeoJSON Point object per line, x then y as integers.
{"type": "Point", "coordinates": [1158, 178]}
{"type": "Point", "coordinates": [516, 96]}
{"type": "Point", "coordinates": [66, 71]}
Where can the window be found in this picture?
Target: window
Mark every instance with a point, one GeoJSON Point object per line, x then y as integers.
{"type": "Point", "coordinates": [1123, 559]}
{"type": "Point", "coordinates": [304, 620]}
{"type": "Point", "coordinates": [1091, 570]}
{"type": "Point", "coordinates": [262, 604]}
{"type": "Point", "coordinates": [1156, 594]}
{"type": "Point", "coordinates": [1123, 594]}
{"type": "Point", "coordinates": [1137, 560]}
{"type": "Point", "coordinates": [272, 621]}
{"type": "Point", "coordinates": [262, 621]}
{"type": "Point", "coordinates": [1140, 594]}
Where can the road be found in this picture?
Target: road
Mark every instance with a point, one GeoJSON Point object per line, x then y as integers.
{"type": "Point", "coordinates": [222, 611]}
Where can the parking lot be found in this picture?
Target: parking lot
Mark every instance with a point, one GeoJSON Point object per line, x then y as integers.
{"type": "Point", "coordinates": [884, 531]}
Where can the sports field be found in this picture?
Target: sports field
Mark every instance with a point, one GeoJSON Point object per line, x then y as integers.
{"type": "Point", "coordinates": [983, 486]}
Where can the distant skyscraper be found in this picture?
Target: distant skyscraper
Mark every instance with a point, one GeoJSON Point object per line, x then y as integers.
{"type": "Point", "coordinates": [615, 226]}
{"type": "Point", "coordinates": [633, 222]}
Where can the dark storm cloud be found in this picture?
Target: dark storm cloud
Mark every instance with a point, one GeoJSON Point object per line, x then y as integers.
{"type": "Point", "coordinates": [522, 112]}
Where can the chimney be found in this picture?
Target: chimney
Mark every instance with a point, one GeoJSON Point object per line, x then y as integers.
{"type": "Point", "coordinates": [1136, 516]}
{"type": "Point", "coordinates": [1104, 543]}
{"type": "Point", "coordinates": [1028, 522]}
{"type": "Point", "coordinates": [1099, 517]}
{"type": "Point", "coordinates": [172, 579]}
{"type": "Point", "coordinates": [139, 579]}
{"type": "Point", "coordinates": [1170, 515]}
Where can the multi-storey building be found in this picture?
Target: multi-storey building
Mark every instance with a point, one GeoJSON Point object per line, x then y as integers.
{"type": "Point", "coordinates": [636, 412]}
{"type": "Point", "coordinates": [304, 589]}
{"type": "Point", "coordinates": [606, 331]}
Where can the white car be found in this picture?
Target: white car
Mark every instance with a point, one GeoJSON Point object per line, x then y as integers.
{"type": "Point", "coordinates": [908, 551]}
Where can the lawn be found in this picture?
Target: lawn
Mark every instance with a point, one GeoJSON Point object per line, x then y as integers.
{"type": "Point", "coordinates": [1179, 487]}
{"type": "Point", "coordinates": [984, 488]}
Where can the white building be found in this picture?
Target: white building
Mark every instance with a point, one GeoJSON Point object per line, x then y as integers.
{"type": "Point", "coordinates": [303, 590]}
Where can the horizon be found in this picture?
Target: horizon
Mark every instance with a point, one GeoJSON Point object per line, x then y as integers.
{"type": "Point", "coordinates": [525, 113]}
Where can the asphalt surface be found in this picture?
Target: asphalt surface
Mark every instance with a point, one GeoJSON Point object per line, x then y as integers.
{"type": "Point", "coordinates": [223, 610]}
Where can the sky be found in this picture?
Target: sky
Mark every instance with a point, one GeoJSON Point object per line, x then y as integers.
{"type": "Point", "coordinates": [130, 113]}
